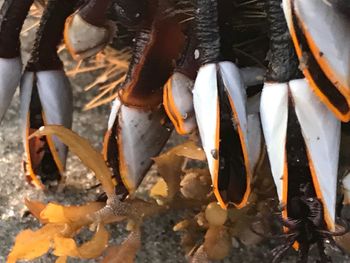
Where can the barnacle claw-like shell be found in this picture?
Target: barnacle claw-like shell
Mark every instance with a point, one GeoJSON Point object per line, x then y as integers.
{"type": "Point", "coordinates": [10, 75]}
{"type": "Point", "coordinates": [178, 103]}
{"type": "Point", "coordinates": [84, 39]}
{"type": "Point", "coordinates": [53, 105]}
{"type": "Point", "coordinates": [321, 133]}
{"type": "Point", "coordinates": [178, 99]}
{"type": "Point", "coordinates": [220, 105]}
{"type": "Point", "coordinates": [134, 136]}
{"type": "Point", "coordinates": [321, 36]}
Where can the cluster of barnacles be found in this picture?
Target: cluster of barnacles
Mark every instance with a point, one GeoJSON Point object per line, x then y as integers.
{"type": "Point", "coordinates": [197, 66]}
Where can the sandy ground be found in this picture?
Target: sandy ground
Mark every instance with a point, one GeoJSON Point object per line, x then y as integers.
{"type": "Point", "coordinates": [160, 243]}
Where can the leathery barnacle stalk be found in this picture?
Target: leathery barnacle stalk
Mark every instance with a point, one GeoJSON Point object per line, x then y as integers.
{"type": "Point", "coordinates": [46, 97]}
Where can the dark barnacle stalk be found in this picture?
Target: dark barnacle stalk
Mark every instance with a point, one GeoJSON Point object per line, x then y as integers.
{"type": "Point", "coordinates": [46, 97]}
{"type": "Point", "coordinates": [283, 64]}
{"type": "Point", "coordinates": [219, 98]}
{"type": "Point", "coordinates": [88, 31]}
{"type": "Point", "coordinates": [12, 16]}
{"type": "Point", "coordinates": [207, 31]}
{"type": "Point", "coordinates": [305, 153]}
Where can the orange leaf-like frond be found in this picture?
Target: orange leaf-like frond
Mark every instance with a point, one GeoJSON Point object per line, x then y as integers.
{"type": "Point", "coordinates": [55, 213]}
{"type": "Point", "coordinates": [32, 244]}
